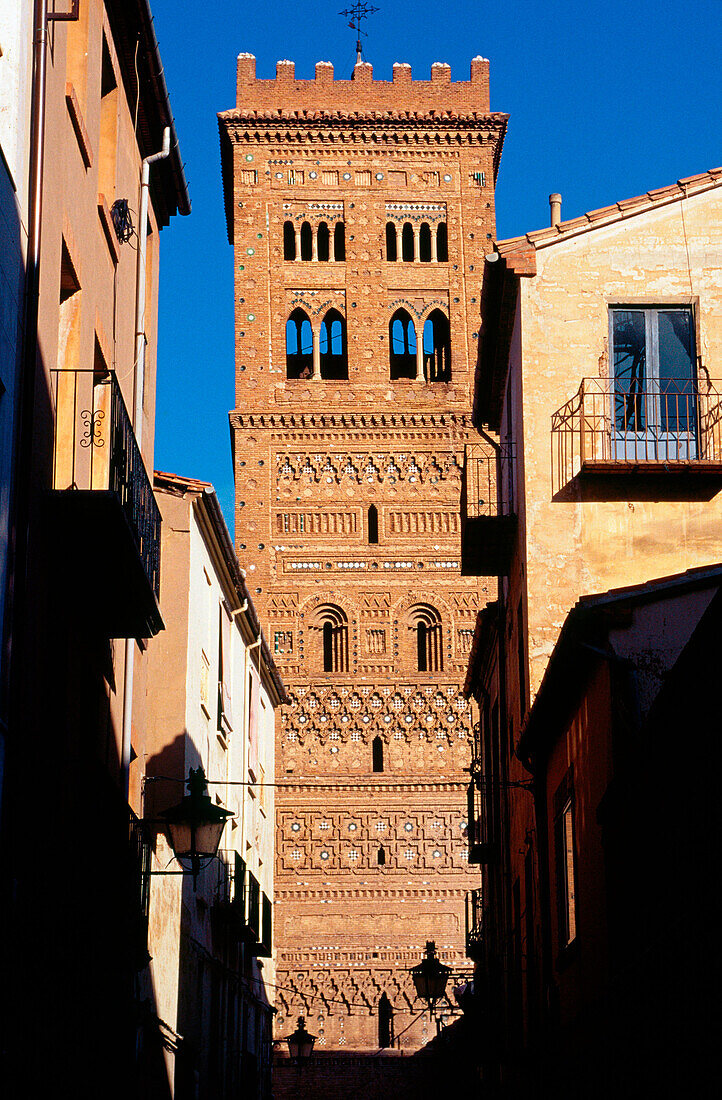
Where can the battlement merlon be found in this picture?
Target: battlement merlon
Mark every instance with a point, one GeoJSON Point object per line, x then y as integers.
{"type": "Point", "coordinates": [439, 92]}
{"type": "Point", "coordinates": [436, 114]}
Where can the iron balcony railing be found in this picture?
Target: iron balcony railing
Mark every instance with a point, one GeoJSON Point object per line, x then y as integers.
{"type": "Point", "coordinates": [139, 856]}
{"type": "Point", "coordinates": [95, 448]}
{"type": "Point", "coordinates": [474, 924]}
{"type": "Point", "coordinates": [489, 480]}
{"type": "Point", "coordinates": [480, 841]}
{"type": "Point", "coordinates": [623, 422]}
{"type": "Point", "coordinates": [254, 905]}
{"type": "Point", "coordinates": [231, 884]}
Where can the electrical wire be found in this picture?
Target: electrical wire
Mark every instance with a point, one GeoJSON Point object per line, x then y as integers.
{"type": "Point", "coordinates": [316, 786]}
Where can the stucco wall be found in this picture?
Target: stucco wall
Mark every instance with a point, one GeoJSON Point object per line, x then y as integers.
{"type": "Point", "coordinates": [592, 537]}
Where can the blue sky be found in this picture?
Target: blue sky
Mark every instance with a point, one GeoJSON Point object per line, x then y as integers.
{"type": "Point", "coordinates": [607, 100]}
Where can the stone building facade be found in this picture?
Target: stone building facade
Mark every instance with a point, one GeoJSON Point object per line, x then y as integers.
{"type": "Point", "coordinates": [360, 212]}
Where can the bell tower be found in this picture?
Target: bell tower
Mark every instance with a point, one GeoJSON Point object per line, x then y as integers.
{"type": "Point", "coordinates": [360, 212]}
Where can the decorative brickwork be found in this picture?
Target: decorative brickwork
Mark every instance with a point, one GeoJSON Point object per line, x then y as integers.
{"type": "Point", "coordinates": [372, 200]}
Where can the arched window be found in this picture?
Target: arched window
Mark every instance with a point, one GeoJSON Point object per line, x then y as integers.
{"type": "Point", "coordinates": [373, 523]}
{"type": "Point", "coordinates": [437, 347]}
{"type": "Point", "coordinates": [422, 647]}
{"type": "Point", "coordinates": [402, 345]}
{"type": "Point", "coordinates": [407, 243]}
{"type": "Point", "coordinates": [381, 857]}
{"type": "Point", "coordinates": [442, 244]}
{"type": "Point", "coordinates": [306, 241]}
{"type": "Point", "coordinates": [391, 253]}
{"type": "Point", "coordinates": [425, 624]}
{"type": "Point", "coordinates": [425, 244]}
{"type": "Point", "coordinates": [324, 242]}
{"type": "Point", "coordinates": [386, 1022]}
{"type": "Point", "coordinates": [289, 241]}
{"type": "Point", "coordinates": [299, 346]}
{"type": "Point", "coordinates": [377, 754]}
{"type": "Point", "coordinates": [332, 625]}
{"type": "Point", "coordinates": [339, 241]}
{"type": "Point", "coordinates": [332, 345]}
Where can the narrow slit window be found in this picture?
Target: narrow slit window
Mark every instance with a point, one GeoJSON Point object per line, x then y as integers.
{"type": "Point", "coordinates": [425, 244]}
{"type": "Point", "coordinates": [391, 253]}
{"type": "Point", "coordinates": [289, 241]}
{"type": "Point", "coordinates": [377, 754]}
{"type": "Point", "coordinates": [407, 243]}
{"type": "Point", "coordinates": [442, 244]}
{"type": "Point", "coordinates": [373, 524]}
{"type": "Point", "coordinates": [328, 647]}
{"type": "Point", "coordinates": [339, 242]}
{"type": "Point", "coordinates": [324, 240]}
{"type": "Point", "coordinates": [306, 241]}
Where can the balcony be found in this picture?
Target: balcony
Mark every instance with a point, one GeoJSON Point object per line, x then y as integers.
{"type": "Point", "coordinates": [474, 925]}
{"type": "Point", "coordinates": [488, 522]}
{"type": "Point", "coordinates": [107, 522]}
{"type": "Point", "coordinates": [662, 427]}
{"type": "Point", "coordinates": [480, 842]}
{"type": "Point", "coordinates": [139, 881]}
{"type": "Point", "coordinates": [260, 918]}
{"type": "Point", "coordinates": [230, 899]}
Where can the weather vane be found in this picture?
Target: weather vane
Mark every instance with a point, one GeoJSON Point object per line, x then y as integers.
{"type": "Point", "coordinates": [355, 14]}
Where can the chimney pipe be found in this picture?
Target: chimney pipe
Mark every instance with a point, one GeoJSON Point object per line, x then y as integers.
{"type": "Point", "coordinates": [555, 209]}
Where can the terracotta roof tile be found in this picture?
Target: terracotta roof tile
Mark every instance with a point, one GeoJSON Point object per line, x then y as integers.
{"type": "Point", "coordinates": [606, 214]}
{"type": "Point", "coordinates": [187, 484]}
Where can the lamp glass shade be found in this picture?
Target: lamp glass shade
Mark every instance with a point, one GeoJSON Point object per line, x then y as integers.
{"type": "Point", "coordinates": [195, 825]}
{"type": "Point", "coordinates": [430, 977]}
{"type": "Point", "coordinates": [300, 1044]}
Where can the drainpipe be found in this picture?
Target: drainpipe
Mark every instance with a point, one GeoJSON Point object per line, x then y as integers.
{"type": "Point", "coordinates": [139, 383]}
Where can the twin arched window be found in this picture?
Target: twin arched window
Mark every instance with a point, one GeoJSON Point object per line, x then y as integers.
{"type": "Point", "coordinates": [410, 242]}
{"type": "Point", "coordinates": [311, 355]}
{"type": "Point", "coordinates": [425, 622]}
{"type": "Point", "coordinates": [325, 355]}
{"type": "Point", "coordinates": [333, 626]}
{"type": "Point", "coordinates": [304, 242]}
{"type": "Point", "coordinates": [432, 361]}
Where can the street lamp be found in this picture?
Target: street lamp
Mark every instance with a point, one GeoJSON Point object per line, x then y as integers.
{"type": "Point", "coordinates": [195, 825]}
{"type": "Point", "coordinates": [300, 1044]}
{"type": "Point", "coordinates": [430, 977]}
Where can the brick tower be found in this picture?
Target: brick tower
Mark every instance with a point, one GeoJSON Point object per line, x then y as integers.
{"type": "Point", "coordinates": [360, 211]}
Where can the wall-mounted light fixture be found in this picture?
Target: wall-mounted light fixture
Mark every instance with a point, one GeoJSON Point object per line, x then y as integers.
{"type": "Point", "coordinates": [430, 977]}
{"type": "Point", "coordinates": [195, 825]}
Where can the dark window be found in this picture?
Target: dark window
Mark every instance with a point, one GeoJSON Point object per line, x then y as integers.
{"type": "Point", "coordinates": [422, 653]}
{"type": "Point", "coordinates": [377, 754]}
{"type": "Point", "coordinates": [339, 241]}
{"type": "Point", "coordinates": [381, 857]}
{"type": "Point", "coordinates": [332, 345]}
{"type": "Point", "coordinates": [386, 1022]}
{"type": "Point", "coordinates": [407, 243]}
{"type": "Point", "coordinates": [289, 241]}
{"type": "Point", "coordinates": [328, 647]}
{"type": "Point", "coordinates": [373, 524]}
{"type": "Point", "coordinates": [564, 860]}
{"type": "Point", "coordinates": [334, 634]}
{"type": "Point", "coordinates": [299, 346]}
{"type": "Point", "coordinates": [391, 253]}
{"type": "Point", "coordinates": [521, 662]}
{"type": "Point", "coordinates": [324, 242]}
{"type": "Point", "coordinates": [425, 244]}
{"type": "Point", "coordinates": [442, 244]}
{"type": "Point", "coordinates": [402, 346]}
{"type": "Point", "coordinates": [306, 241]}
{"type": "Point", "coordinates": [437, 347]}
